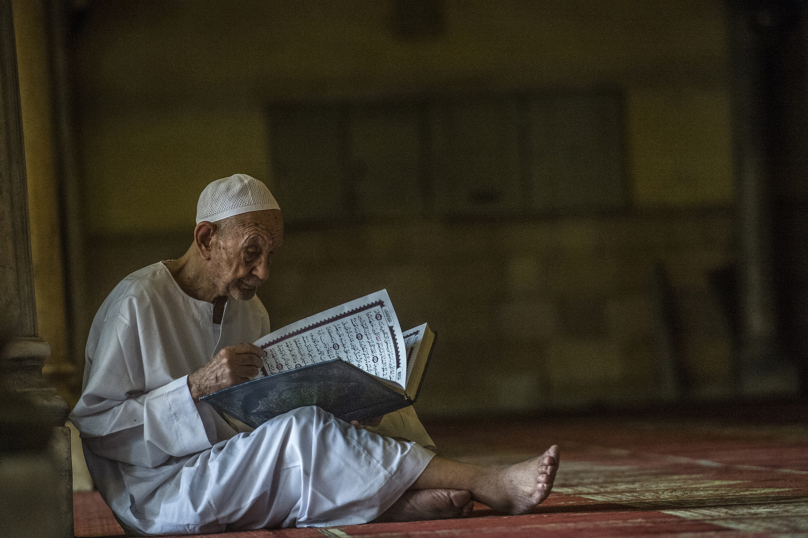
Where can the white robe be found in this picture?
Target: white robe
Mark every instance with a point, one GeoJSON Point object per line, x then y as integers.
{"type": "Point", "coordinates": [165, 464]}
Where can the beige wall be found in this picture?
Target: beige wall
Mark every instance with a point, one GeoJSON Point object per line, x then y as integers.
{"type": "Point", "coordinates": [531, 314]}
{"type": "Point", "coordinates": [144, 166]}
{"type": "Point", "coordinates": [167, 101]}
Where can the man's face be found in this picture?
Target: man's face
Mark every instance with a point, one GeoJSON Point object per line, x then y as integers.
{"type": "Point", "coordinates": [241, 252]}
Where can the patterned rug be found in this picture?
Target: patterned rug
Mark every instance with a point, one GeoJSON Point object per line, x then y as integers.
{"type": "Point", "coordinates": [726, 472]}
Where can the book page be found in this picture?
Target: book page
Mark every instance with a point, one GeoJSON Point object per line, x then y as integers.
{"type": "Point", "coordinates": [364, 332]}
{"type": "Point", "coordinates": [412, 341]}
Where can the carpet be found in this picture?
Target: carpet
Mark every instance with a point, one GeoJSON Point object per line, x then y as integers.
{"type": "Point", "coordinates": [725, 472]}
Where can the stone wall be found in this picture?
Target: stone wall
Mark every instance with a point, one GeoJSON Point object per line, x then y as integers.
{"type": "Point", "coordinates": [533, 311]}
{"type": "Point", "coordinates": [530, 315]}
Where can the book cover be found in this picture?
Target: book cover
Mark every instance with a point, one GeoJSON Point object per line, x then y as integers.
{"type": "Point", "coordinates": [336, 386]}
{"type": "Point", "coordinates": [351, 360]}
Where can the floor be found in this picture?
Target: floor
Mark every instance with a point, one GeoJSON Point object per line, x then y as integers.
{"type": "Point", "coordinates": [704, 471]}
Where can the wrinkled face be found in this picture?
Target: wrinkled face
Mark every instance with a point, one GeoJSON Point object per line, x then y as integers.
{"type": "Point", "coordinates": [241, 252]}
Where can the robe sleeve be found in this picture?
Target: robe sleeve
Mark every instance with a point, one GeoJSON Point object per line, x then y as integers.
{"type": "Point", "coordinates": [121, 420]}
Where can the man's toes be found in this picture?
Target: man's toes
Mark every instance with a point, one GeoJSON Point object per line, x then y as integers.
{"type": "Point", "coordinates": [551, 456]}
{"type": "Point", "coordinates": [459, 497]}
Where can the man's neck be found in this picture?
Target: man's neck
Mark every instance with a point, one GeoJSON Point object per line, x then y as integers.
{"type": "Point", "coordinates": [189, 275]}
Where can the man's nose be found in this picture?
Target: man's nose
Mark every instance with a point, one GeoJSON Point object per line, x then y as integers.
{"type": "Point", "coordinates": [261, 269]}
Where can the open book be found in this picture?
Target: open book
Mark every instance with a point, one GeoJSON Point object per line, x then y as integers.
{"type": "Point", "coordinates": [351, 360]}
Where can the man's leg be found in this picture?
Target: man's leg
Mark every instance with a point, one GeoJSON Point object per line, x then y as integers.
{"type": "Point", "coordinates": [314, 470]}
{"type": "Point", "coordinates": [515, 489]}
{"type": "Point", "coordinates": [305, 468]}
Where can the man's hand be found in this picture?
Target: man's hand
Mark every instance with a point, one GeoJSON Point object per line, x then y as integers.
{"type": "Point", "coordinates": [370, 423]}
{"type": "Point", "coordinates": [231, 366]}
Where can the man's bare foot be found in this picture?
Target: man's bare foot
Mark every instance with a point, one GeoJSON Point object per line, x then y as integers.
{"type": "Point", "coordinates": [417, 505]}
{"type": "Point", "coordinates": [519, 488]}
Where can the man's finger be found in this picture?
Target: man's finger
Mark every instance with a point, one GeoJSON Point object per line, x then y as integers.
{"type": "Point", "coordinates": [246, 354]}
{"type": "Point", "coordinates": [248, 348]}
{"type": "Point", "coordinates": [232, 357]}
{"type": "Point", "coordinates": [245, 372]}
{"type": "Point", "coordinates": [247, 359]}
{"type": "Point", "coordinates": [358, 425]}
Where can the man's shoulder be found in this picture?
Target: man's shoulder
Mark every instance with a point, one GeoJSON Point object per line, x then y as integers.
{"type": "Point", "coordinates": [139, 288]}
{"type": "Point", "coordinates": [146, 281]}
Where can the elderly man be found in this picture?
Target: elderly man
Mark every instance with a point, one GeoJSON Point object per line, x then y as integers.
{"type": "Point", "coordinates": [167, 463]}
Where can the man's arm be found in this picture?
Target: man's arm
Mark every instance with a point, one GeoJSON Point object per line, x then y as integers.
{"type": "Point", "coordinates": [122, 416]}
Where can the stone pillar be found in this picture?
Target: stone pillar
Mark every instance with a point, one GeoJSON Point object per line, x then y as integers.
{"type": "Point", "coordinates": [761, 368]}
{"type": "Point", "coordinates": [24, 353]}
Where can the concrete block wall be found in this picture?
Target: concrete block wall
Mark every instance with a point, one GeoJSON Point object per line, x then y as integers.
{"type": "Point", "coordinates": [530, 315]}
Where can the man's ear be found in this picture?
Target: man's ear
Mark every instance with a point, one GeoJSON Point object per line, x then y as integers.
{"type": "Point", "coordinates": [203, 236]}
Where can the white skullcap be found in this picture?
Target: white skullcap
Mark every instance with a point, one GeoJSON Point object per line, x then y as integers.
{"type": "Point", "coordinates": [233, 195]}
